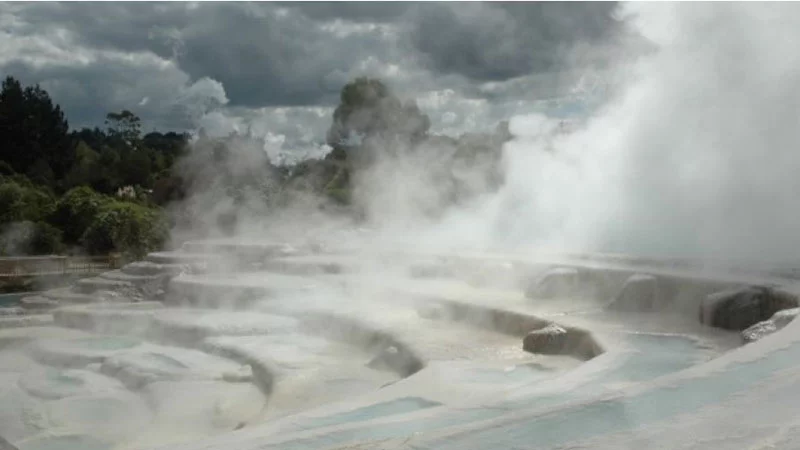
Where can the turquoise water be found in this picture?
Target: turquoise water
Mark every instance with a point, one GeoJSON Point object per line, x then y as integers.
{"type": "Point", "coordinates": [517, 374]}
{"type": "Point", "coordinates": [13, 299]}
{"type": "Point", "coordinates": [165, 361]}
{"type": "Point", "coordinates": [52, 384]}
{"type": "Point", "coordinates": [69, 442]}
{"type": "Point", "coordinates": [107, 343]}
{"type": "Point", "coordinates": [60, 378]}
{"type": "Point", "coordinates": [623, 413]}
{"type": "Point", "coordinates": [392, 407]}
{"type": "Point", "coordinates": [652, 356]}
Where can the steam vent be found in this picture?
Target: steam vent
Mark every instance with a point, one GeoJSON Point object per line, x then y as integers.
{"type": "Point", "coordinates": [251, 345]}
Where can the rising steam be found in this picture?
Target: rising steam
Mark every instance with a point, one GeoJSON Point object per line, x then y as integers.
{"type": "Point", "coordinates": [694, 152]}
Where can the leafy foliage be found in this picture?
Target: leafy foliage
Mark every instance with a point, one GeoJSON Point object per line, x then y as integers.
{"type": "Point", "coordinates": [368, 109]}
{"type": "Point", "coordinates": [34, 132]}
{"type": "Point", "coordinates": [76, 211]}
{"type": "Point", "coordinates": [20, 201]}
{"type": "Point", "coordinates": [127, 228]}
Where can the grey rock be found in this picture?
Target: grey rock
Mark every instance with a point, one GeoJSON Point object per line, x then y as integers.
{"type": "Point", "coordinates": [739, 309]}
{"type": "Point", "coordinates": [783, 317]}
{"type": "Point", "coordinates": [639, 294]}
{"type": "Point", "coordinates": [778, 320]}
{"type": "Point", "coordinates": [395, 359]}
{"type": "Point", "coordinates": [550, 340]}
{"type": "Point", "coordinates": [758, 331]}
{"type": "Point", "coordinates": [560, 282]}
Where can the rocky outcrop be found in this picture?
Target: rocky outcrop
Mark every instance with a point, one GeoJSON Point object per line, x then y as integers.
{"type": "Point", "coordinates": [395, 359]}
{"type": "Point", "coordinates": [550, 340]}
{"type": "Point", "coordinates": [640, 293]}
{"type": "Point", "coordinates": [560, 282]}
{"type": "Point", "coordinates": [778, 320]}
{"type": "Point", "coordinates": [742, 308]}
{"type": "Point", "coordinates": [558, 340]}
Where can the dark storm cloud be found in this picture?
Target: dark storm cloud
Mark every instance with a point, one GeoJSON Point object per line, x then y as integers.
{"type": "Point", "coordinates": [123, 26]}
{"type": "Point", "coordinates": [262, 55]}
{"type": "Point", "coordinates": [498, 41]}
{"type": "Point", "coordinates": [160, 95]}
{"type": "Point", "coordinates": [353, 11]}
{"type": "Point", "coordinates": [146, 56]}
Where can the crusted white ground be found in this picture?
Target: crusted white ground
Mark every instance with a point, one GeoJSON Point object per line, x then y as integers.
{"type": "Point", "coordinates": [660, 384]}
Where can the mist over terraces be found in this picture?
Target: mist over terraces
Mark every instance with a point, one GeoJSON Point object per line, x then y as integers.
{"type": "Point", "coordinates": [408, 225]}
{"type": "Point", "coordinates": [88, 190]}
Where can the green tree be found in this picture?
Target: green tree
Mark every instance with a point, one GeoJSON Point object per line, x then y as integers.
{"type": "Point", "coordinates": [33, 132]}
{"type": "Point", "coordinates": [76, 211]}
{"type": "Point", "coordinates": [128, 228]}
{"type": "Point", "coordinates": [368, 109]}
{"type": "Point", "coordinates": [87, 170]}
{"type": "Point", "coordinates": [137, 168]}
{"type": "Point", "coordinates": [21, 201]}
{"type": "Point", "coordinates": [125, 126]}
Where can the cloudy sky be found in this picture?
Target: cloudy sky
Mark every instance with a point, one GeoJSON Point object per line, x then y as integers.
{"type": "Point", "coordinates": [278, 67]}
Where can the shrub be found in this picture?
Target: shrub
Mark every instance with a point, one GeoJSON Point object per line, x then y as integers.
{"type": "Point", "coordinates": [20, 202]}
{"type": "Point", "coordinates": [128, 228]}
{"type": "Point", "coordinates": [76, 211]}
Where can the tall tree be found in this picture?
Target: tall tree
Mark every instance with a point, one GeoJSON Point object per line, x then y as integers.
{"type": "Point", "coordinates": [125, 126]}
{"type": "Point", "coordinates": [368, 109]}
{"type": "Point", "coordinates": [33, 131]}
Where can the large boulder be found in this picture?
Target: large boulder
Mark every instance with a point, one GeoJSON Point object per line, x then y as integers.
{"type": "Point", "coordinates": [778, 320]}
{"type": "Point", "coordinates": [560, 282]}
{"type": "Point", "coordinates": [396, 359]}
{"type": "Point", "coordinates": [739, 309]}
{"type": "Point", "coordinates": [639, 294]}
{"type": "Point", "coordinates": [550, 340]}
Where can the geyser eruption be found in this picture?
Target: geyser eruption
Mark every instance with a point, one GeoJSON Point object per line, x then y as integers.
{"type": "Point", "coordinates": [693, 154]}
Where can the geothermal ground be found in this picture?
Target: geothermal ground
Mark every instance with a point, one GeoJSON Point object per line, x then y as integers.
{"type": "Point", "coordinates": [247, 345]}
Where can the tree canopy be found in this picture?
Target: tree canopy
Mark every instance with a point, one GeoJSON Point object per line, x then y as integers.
{"type": "Point", "coordinates": [368, 110]}
{"type": "Point", "coordinates": [34, 132]}
{"type": "Point", "coordinates": [105, 189]}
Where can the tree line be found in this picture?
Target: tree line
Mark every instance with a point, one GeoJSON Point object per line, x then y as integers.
{"type": "Point", "coordinates": [115, 189]}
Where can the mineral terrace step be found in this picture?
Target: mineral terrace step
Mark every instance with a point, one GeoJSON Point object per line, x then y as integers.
{"type": "Point", "coordinates": [118, 275]}
{"type": "Point", "coordinates": [89, 285]}
{"type": "Point", "coordinates": [12, 311]}
{"type": "Point", "coordinates": [145, 268]}
{"type": "Point", "coordinates": [38, 302]}
{"type": "Point", "coordinates": [239, 290]}
{"type": "Point", "coordinates": [31, 320]}
{"type": "Point", "coordinates": [181, 257]}
{"type": "Point", "coordinates": [189, 326]}
{"type": "Point", "coordinates": [110, 318]}
{"type": "Point", "coordinates": [241, 249]}
{"type": "Point", "coordinates": [67, 295]}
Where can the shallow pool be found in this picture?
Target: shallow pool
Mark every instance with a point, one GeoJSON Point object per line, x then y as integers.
{"type": "Point", "coordinates": [107, 343]}
{"type": "Point", "coordinates": [66, 442]}
{"type": "Point", "coordinates": [651, 356]}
